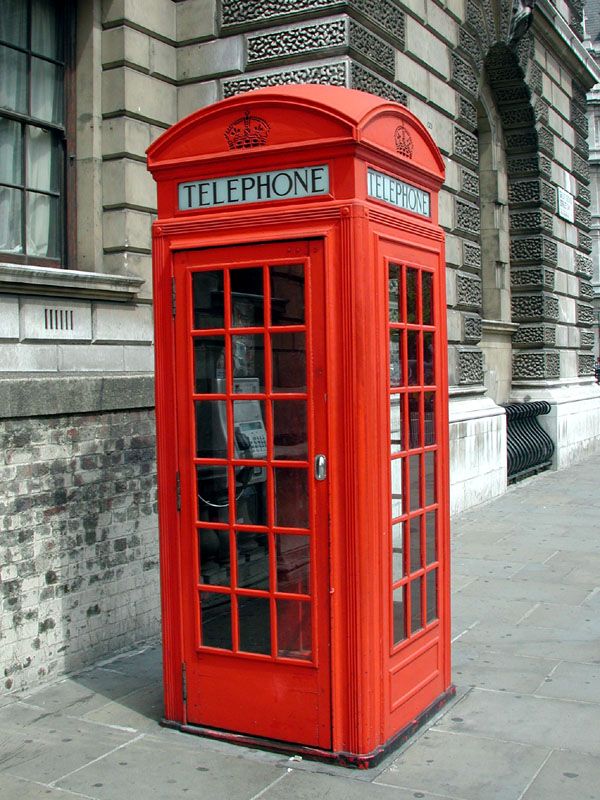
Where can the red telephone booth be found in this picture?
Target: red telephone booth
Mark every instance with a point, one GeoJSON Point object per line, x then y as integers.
{"type": "Point", "coordinates": [301, 402]}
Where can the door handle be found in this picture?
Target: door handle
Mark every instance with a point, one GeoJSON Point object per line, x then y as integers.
{"type": "Point", "coordinates": [320, 467]}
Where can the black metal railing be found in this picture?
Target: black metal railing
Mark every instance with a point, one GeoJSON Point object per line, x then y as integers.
{"type": "Point", "coordinates": [529, 448]}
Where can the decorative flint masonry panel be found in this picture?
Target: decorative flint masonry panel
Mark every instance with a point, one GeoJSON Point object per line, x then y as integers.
{"type": "Point", "coordinates": [529, 448]}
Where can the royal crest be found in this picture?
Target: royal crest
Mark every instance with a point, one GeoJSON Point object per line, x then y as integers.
{"type": "Point", "coordinates": [403, 141]}
{"type": "Point", "coordinates": [247, 131]}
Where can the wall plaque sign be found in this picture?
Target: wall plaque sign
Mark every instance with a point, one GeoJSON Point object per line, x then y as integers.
{"type": "Point", "coordinates": [565, 206]}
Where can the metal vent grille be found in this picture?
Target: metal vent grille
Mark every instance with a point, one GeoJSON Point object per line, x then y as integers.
{"type": "Point", "coordinates": [58, 319]}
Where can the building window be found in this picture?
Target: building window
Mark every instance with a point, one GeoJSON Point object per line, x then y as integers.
{"type": "Point", "coordinates": [35, 39]}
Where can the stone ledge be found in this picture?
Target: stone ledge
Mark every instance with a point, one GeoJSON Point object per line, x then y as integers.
{"type": "Point", "coordinates": [27, 395]}
{"type": "Point", "coordinates": [67, 282]}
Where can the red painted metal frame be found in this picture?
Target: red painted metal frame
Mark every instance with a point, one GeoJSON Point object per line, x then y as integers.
{"type": "Point", "coordinates": [378, 691]}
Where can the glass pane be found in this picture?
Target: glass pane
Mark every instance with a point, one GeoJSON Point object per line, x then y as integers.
{"type": "Point", "coordinates": [13, 86]}
{"type": "Point", "coordinates": [414, 415]}
{"type": "Point", "coordinates": [412, 277]}
{"type": "Point", "coordinates": [398, 614]}
{"type": "Point", "coordinates": [43, 225]}
{"type": "Point", "coordinates": [415, 482]}
{"type": "Point", "coordinates": [430, 489]}
{"type": "Point", "coordinates": [251, 495]}
{"type": "Point", "coordinates": [394, 293]}
{"type": "Point", "coordinates": [213, 550]}
{"type": "Point", "coordinates": [209, 360]}
{"type": "Point", "coordinates": [247, 297]}
{"type": "Point", "coordinates": [415, 605]}
{"type": "Point", "coordinates": [254, 618]}
{"type": "Point", "coordinates": [215, 614]}
{"type": "Point", "coordinates": [213, 497]}
{"type": "Point", "coordinates": [428, 359]}
{"type": "Point", "coordinates": [397, 551]}
{"type": "Point", "coordinates": [427, 289]}
{"type": "Point", "coordinates": [429, 418]}
{"type": "Point", "coordinates": [287, 295]}
{"type": "Point", "coordinates": [11, 151]}
{"type": "Point", "coordinates": [10, 220]}
{"type": "Point", "coordinates": [395, 357]}
{"type": "Point", "coordinates": [46, 30]}
{"type": "Point", "coordinates": [290, 437]}
{"type": "Point", "coordinates": [46, 91]}
{"type": "Point", "coordinates": [248, 354]}
{"type": "Point", "coordinates": [250, 437]}
{"type": "Point", "coordinates": [252, 560]}
{"type": "Point", "coordinates": [207, 288]}
{"type": "Point", "coordinates": [294, 629]}
{"type": "Point", "coordinates": [432, 595]}
{"type": "Point", "coordinates": [288, 352]}
{"type": "Point", "coordinates": [13, 24]}
{"type": "Point", "coordinates": [430, 537]}
{"type": "Point", "coordinates": [396, 472]}
{"type": "Point", "coordinates": [211, 429]}
{"type": "Point", "coordinates": [413, 358]}
{"type": "Point", "coordinates": [291, 498]}
{"type": "Point", "coordinates": [396, 423]}
{"type": "Point", "coordinates": [293, 564]}
{"type": "Point", "coordinates": [415, 544]}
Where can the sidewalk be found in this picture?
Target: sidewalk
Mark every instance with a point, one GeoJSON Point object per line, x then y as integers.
{"type": "Point", "coordinates": [526, 662]}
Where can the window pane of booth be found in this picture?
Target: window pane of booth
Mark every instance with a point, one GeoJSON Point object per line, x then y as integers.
{"type": "Point", "coordinates": [414, 411]}
{"type": "Point", "coordinates": [430, 537]}
{"type": "Point", "coordinates": [215, 620]}
{"type": "Point", "coordinates": [399, 614]}
{"type": "Point", "coordinates": [254, 624]}
{"type": "Point", "coordinates": [396, 471]}
{"type": "Point", "coordinates": [293, 564]}
{"type": "Point", "coordinates": [290, 436]}
{"type": "Point", "coordinates": [248, 354]}
{"type": "Point", "coordinates": [428, 359]}
{"type": "Point", "coordinates": [209, 360]}
{"type": "Point", "coordinates": [287, 294]}
{"type": "Point", "coordinates": [412, 295]}
{"type": "Point", "coordinates": [288, 354]}
{"type": "Point", "coordinates": [249, 429]}
{"type": "Point", "coordinates": [432, 595]}
{"type": "Point", "coordinates": [396, 402]}
{"type": "Point", "coordinates": [429, 405]}
{"type": "Point", "coordinates": [252, 560]}
{"type": "Point", "coordinates": [427, 301]}
{"type": "Point", "coordinates": [394, 284]}
{"type": "Point", "coordinates": [213, 551]}
{"type": "Point", "coordinates": [251, 495]}
{"type": "Point", "coordinates": [211, 429]}
{"type": "Point", "coordinates": [395, 357]}
{"type": "Point", "coordinates": [291, 498]}
{"type": "Point", "coordinates": [398, 571]}
{"type": "Point", "coordinates": [430, 489]}
{"type": "Point", "coordinates": [416, 622]}
{"type": "Point", "coordinates": [413, 358]}
{"type": "Point", "coordinates": [213, 497]}
{"type": "Point", "coordinates": [247, 297]}
{"type": "Point", "coordinates": [414, 465]}
{"type": "Point", "coordinates": [415, 544]}
{"type": "Point", "coordinates": [294, 629]}
{"type": "Point", "coordinates": [207, 289]}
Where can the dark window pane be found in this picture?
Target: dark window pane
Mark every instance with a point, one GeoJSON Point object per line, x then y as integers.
{"type": "Point", "coordinates": [397, 487]}
{"type": "Point", "coordinates": [287, 295]}
{"type": "Point", "coordinates": [396, 403]}
{"type": "Point", "coordinates": [215, 614]}
{"type": "Point", "coordinates": [427, 289]}
{"type": "Point", "coordinates": [209, 359]}
{"type": "Point", "coordinates": [213, 498]}
{"type": "Point", "coordinates": [294, 629]}
{"type": "Point", "coordinates": [13, 85]}
{"type": "Point", "coordinates": [428, 359]}
{"type": "Point", "coordinates": [207, 289]}
{"type": "Point", "coordinates": [13, 24]}
{"type": "Point", "coordinates": [412, 277]}
{"type": "Point", "coordinates": [10, 220]}
{"type": "Point", "coordinates": [11, 151]}
{"type": "Point", "coordinates": [248, 354]}
{"type": "Point", "coordinates": [46, 91]}
{"type": "Point", "coordinates": [415, 482]}
{"type": "Point", "coordinates": [429, 418]}
{"type": "Point", "coordinates": [252, 560]}
{"type": "Point", "coordinates": [290, 437]}
{"type": "Point", "coordinates": [291, 498]}
{"type": "Point", "coordinates": [397, 551]}
{"type": "Point", "coordinates": [46, 29]}
{"type": "Point", "coordinates": [396, 356]}
{"type": "Point", "coordinates": [254, 618]}
{"type": "Point", "coordinates": [416, 622]}
{"type": "Point", "coordinates": [413, 358]}
{"type": "Point", "coordinates": [430, 537]}
{"type": "Point", "coordinates": [211, 429]}
{"type": "Point", "coordinates": [430, 488]}
{"type": "Point", "coordinates": [394, 284]}
{"type": "Point", "coordinates": [288, 362]}
{"type": "Point", "coordinates": [43, 225]}
{"type": "Point", "coordinates": [247, 297]}
{"type": "Point", "coordinates": [251, 495]}
{"type": "Point", "coordinates": [415, 544]}
{"type": "Point", "coordinates": [213, 551]}
{"type": "Point", "coordinates": [432, 595]}
{"type": "Point", "coordinates": [414, 412]}
{"type": "Point", "coordinates": [293, 564]}
{"type": "Point", "coordinates": [399, 615]}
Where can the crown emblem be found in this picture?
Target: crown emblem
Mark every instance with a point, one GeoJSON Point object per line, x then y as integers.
{"type": "Point", "coordinates": [403, 141]}
{"type": "Point", "coordinates": [247, 131]}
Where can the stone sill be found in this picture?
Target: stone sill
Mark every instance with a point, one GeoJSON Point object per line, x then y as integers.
{"type": "Point", "coordinates": [22, 279]}
{"type": "Point", "coordinates": [32, 395]}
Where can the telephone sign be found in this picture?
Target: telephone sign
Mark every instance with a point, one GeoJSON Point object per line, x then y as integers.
{"type": "Point", "coordinates": [301, 409]}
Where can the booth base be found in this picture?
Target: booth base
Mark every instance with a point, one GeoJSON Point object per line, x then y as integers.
{"type": "Point", "coordinates": [341, 758]}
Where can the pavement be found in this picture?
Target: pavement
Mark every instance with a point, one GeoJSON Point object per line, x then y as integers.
{"type": "Point", "coordinates": [525, 724]}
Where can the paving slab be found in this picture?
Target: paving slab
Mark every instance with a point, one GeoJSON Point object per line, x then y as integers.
{"type": "Point", "coordinates": [566, 776]}
{"type": "Point", "coordinates": [12, 788]}
{"type": "Point", "coordinates": [569, 681]}
{"type": "Point", "coordinates": [486, 567]}
{"type": "Point", "coordinates": [140, 710]}
{"type": "Point", "coordinates": [466, 766]}
{"type": "Point", "coordinates": [505, 672]}
{"type": "Point", "coordinates": [536, 591]}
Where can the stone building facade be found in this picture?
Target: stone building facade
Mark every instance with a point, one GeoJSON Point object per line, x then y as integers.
{"type": "Point", "coordinates": [500, 84]}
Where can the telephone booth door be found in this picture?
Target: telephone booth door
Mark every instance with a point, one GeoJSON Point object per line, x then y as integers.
{"type": "Point", "coordinates": [254, 550]}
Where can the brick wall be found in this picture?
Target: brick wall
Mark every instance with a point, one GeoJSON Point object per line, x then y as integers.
{"type": "Point", "coordinates": [78, 541]}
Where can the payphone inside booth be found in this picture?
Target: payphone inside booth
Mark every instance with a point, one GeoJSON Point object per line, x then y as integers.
{"type": "Point", "coordinates": [301, 402]}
